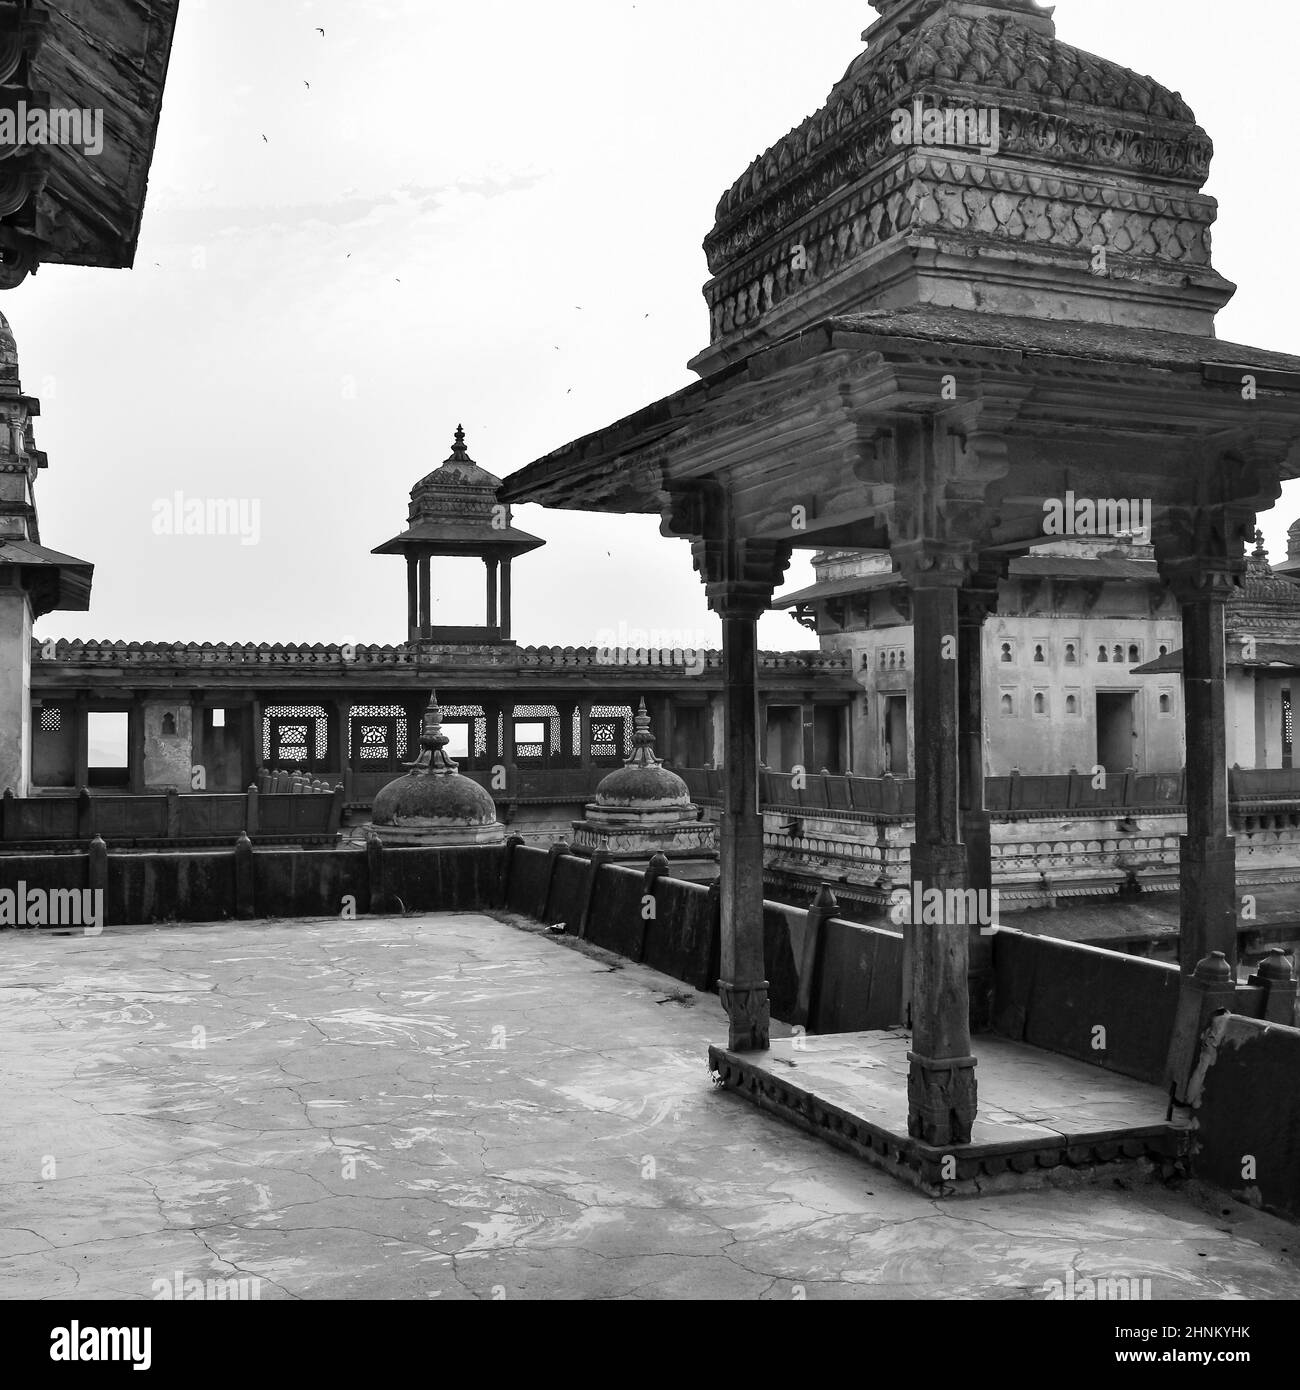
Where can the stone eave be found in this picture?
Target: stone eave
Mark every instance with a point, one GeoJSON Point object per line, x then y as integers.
{"type": "Point", "coordinates": [111, 55]}
{"type": "Point", "coordinates": [1074, 378]}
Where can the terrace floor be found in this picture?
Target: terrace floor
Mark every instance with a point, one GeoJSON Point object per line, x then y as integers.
{"type": "Point", "coordinates": [453, 1107]}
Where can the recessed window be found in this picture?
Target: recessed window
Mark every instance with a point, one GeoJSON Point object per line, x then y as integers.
{"type": "Point", "coordinates": [1134, 652]}
{"type": "Point", "coordinates": [1009, 705]}
{"type": "Point", "coordinates": [1040, 703]}
{"type": "Point", "coordinates": [884, 660]}
{"type": "Point", "coordinates": [457, 735]}
{"type": "Point", "coordinates": [1071, 704]}
{"type": "Point", "coordinates": [1006, 651]}
{"type": "Point", "coordinates": [218, 719]}
{"type": "Point", "coordinates": [169, 725]}
{"type": "Point", "coordinates": [1071, 654]}
{"type": "Point", "coordinates": [51, 721]}
{"type": "Point", "coordinates": [1038, 652]}
{"type": "Point", "coordinates": [1164, 651]}
{"type": "Point", "coordinates": [1119, 652]}
{"type": "Point", "coordinates": [1166, 704]}
{"type": "Point", "coordinates": [1101, 654]}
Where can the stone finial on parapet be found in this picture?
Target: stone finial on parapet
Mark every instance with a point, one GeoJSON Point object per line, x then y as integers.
{"type": "Point", "coordinates": [1210, 990]}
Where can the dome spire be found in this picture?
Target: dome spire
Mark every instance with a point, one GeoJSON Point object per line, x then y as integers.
{"type": "Point", "coordinates": [433, 741]}
{"type": "Point", "coordinates": [458, 449]}
{"type": "Point", "coordinates": [643, 741]}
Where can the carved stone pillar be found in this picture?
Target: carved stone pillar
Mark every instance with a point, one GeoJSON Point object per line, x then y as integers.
{"type": "Point", "coordinates": [739, 578]}
{"type": "Point", "coordinates": [1208, 852]}
{"type": "Point", "coordinates": [505, 597]}
{"type": "Point", "coordinates": [941, 1086]}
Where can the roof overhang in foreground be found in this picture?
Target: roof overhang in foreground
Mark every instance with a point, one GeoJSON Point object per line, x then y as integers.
{"type": "Point", "coordinates": [1063, 405]}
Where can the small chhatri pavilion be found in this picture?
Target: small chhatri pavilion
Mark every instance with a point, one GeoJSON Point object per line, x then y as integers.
{"type": "Point", "coordinates": [455, 511]}
{"type": "Point", "coordinates": [915, 343]}
{"type": "Point", "coordinates": [643, 809]}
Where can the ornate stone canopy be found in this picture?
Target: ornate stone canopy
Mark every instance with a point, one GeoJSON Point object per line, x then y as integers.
{"type": "Point", "coordinates": [455, 511]}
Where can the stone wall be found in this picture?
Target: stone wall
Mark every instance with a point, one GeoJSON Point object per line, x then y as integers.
{"type": "Point", "coordinates": [168, 746]}
{"type": "Point", "coordinates": [1246, 1122]}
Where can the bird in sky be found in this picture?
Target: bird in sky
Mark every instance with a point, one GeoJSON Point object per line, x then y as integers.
{"type": "Point", "coordinates": [320, 31]}
{"type": "Point", "coordinates": [306, 84]}
{"type": "Point", "coordinates": [265, 141]}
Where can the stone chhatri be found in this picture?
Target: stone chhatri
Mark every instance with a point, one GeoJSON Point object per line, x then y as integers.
{"type": "Point", "coordinates": [433, 804]}
{"type": "Point", "coordinates": [841, 215]}
{"type": "Point", "coordinates": [643, 809]}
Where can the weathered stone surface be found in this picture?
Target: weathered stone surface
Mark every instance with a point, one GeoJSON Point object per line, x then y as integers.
{"type": "Point", "coordinates": [520, 1168]}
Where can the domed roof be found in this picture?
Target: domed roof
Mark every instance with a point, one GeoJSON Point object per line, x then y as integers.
{"type": "Point", "coordinates": [643, 782]}
{"type": "Point", "coordinates": [969, 158]}
{"type": "Point", "coordinates": [433, 794]}
{"type": "Point", "coordinates": [458, 472]}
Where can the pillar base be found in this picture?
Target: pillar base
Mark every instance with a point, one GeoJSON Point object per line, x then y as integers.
{"type": "Point", "coordinates": [749, 1020]}
{"type": "Point", "coordinates": [941, 1099]}
{"type": "Point", "coordinates": [1208, 898]}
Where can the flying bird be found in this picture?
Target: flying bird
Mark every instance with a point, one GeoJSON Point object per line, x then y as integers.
{"type": "Point", "coordinates": [320, 31]}
{"type": "Point", "coordinates": [306, 84]}
{"type": "Point", "coordinates": [265, 141]}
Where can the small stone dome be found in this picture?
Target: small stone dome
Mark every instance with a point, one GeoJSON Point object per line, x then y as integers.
{"type": "Point", "coordinates": [643, 782]}
{"type": "Point", "coordinates": [419, 799]}
{"type": "Point", "coordinates": [433, 796]}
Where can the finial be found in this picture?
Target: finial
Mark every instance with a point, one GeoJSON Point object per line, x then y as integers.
{"type": "Point", "coordinates": [1260, 552]}
{"type": "Point", "coordinates": [433, 741]}
{"type": "Point", "coordinates": [458, 450]}
{"type": "Point", "coordinates": [643, 740]}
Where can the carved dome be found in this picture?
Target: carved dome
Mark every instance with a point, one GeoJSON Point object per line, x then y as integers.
{"type": "Point", "coordinates": [643, 783]}
{"type": "Point", "coordinates": [1087, 153]}
{"type": "Point", "coordinates": [423, 799]}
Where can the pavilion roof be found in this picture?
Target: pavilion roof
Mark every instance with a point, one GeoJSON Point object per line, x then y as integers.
{"type": "Point", "coordinates": [57, 581]}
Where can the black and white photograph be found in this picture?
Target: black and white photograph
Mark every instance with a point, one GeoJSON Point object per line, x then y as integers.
{"type": "Point", "coordinates": [646, 655]}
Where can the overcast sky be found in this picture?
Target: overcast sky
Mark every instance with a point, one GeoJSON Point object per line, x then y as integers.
{"type": "Point", "coordinates": [485, 212]}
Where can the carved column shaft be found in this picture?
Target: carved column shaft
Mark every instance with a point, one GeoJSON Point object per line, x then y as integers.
{"type": "Point", "coordinates": [973, 608]}
{"type": "Point", "coordinates": [941, 1081]}
{"type": "Point", "coordinates": [1208, 856]}
{"type": "Point", "coordinates": [742, 986]}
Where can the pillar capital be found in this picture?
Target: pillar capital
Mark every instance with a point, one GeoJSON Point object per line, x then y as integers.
{"type": "Point", "coordinates": [740, 576]}
{"type": "Point", "coordinates": [930, 564]}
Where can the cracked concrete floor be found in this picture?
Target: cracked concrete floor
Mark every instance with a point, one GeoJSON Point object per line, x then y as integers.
{"type": "Point", "coordinates": [451, 1107]}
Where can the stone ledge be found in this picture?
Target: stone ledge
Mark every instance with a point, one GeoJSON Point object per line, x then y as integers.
{"type": "Point", "coordinates": [1041, 1154]}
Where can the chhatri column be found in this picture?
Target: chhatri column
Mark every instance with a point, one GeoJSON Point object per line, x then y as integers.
{"type": "Point", "coordinates": [941, 1090]}
{"type": "Point", "coordinates": [426, 598]}
{"type": "Point", "coordinates": [740, 577]}
{"type": "Point", "coordinates": [412, 598]}
{"type": "Point", "coordinates": [491, 567]}
{"type": "Point", "coordinates": [1208, 852]}
{"type": "Point", "coordinates": [505, 597]}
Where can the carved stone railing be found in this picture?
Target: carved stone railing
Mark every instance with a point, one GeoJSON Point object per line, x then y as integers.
{"type": "Point", "coordinates": [219, 655]}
